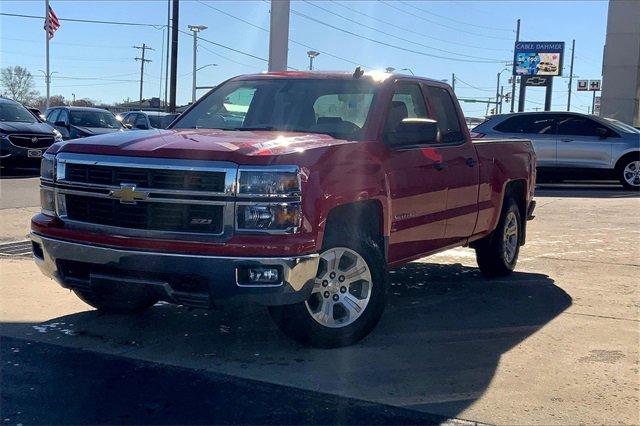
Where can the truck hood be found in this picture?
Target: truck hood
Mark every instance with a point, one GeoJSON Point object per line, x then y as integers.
{"type": "Point", "coordinates": [202, 144]}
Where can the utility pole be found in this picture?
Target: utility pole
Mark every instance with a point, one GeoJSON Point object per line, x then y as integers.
{"type": "Point", "coordinates": [279, 35]}
{"type": "Point", "coordinates": [142, 60]}
{"type": "Point", "coordinates": [453, 82]}
{"type": "Point", "coordinates": [312, 54]}
{"type": "Point", "coordinates": [573, 50]}
{"type": "Point", "coordinates": [175, 16]}
{"type": "Point", "coordinates": [499, 107]}
{"type": "Point", "coordinates": [196, 29]}
{"type": "Point", "coordinates": [513, 77]}
{"type": "Point", "coordinates": [166, 65]}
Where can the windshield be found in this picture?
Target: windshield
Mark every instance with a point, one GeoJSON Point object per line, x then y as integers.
{"type": "Point", "coordinates": [622, 127]}
{"type": "Point", "coordinates": [161, 121]}
{"type": "Point", "coordinates": [335, 107]}
{"type": "Point", "coordinates": [94, 119]}
{"type": "Point", "coordinates": [15, 113]}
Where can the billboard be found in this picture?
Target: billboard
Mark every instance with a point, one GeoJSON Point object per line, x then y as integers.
{"type": "Point", "coordinates": [538, 58]}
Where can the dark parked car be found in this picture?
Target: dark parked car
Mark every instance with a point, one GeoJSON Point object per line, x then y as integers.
{"type": "Point", "coordinates": [36, 112]}
{"type": "Point", "coordinates": [79, 122]}
{"type": "Point", "coordinates": [144, 120]}
{"type": "Point", "coordinates": [23, 138]}
{"type": "Point", "coordinates": [571, 145]}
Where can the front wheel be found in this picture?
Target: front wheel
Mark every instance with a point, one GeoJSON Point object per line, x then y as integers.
{"type": "Point", "coordinates": [497, 254]}
{"type": "Point", "coordinates": [629, 173]}
{"type": "Point", "coordinates": [347, 300]}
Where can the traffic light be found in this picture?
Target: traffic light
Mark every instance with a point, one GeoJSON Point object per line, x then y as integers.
{"type": "Point", "coordinates": [507, 97]}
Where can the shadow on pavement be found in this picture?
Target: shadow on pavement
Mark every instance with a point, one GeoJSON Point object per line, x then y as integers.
{"type": "Point", "coordinates": [19, 172]}
{"type": "Point", "coordinates": [435, 350]}
{"type": "Point", "coordinates": [597, 190]}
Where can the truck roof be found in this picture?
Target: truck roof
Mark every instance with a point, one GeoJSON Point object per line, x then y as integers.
{"type": "Point", "coordinates": [334, 75]}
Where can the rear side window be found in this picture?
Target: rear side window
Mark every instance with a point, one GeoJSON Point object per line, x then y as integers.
{"type": "Point", "coordinates": [530, 123]}
{"type": "Point", "coordinates": [446, 114]}
{"type": "Point", "coordinates": [53, 116]}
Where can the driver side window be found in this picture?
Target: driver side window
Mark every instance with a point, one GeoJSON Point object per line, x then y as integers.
{"type": "Point", "coordinates": [407, 102]}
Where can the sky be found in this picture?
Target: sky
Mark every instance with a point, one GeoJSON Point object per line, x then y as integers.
{"type": "Point", "coordinates": [473, 39]}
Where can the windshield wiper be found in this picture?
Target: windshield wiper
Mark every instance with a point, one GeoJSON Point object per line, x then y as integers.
{"type": "Point", "coordinates": [249, 128]}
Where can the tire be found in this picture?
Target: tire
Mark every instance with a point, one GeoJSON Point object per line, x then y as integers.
{"type": "Point", "coordinates": [497, 254]}
{"type": "Point", "coordinates": [352, 316]}
{"type": "Point", "coordinates": [629, 172]}
{"type": "Point", "coordinates": [113, 300]}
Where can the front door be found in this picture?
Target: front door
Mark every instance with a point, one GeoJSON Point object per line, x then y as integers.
{"type": "Point", "coordinates": [417, 183]}
{"type": "Point", "coordinates": [583, 143]}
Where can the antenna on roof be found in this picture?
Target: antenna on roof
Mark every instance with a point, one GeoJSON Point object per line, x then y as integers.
{"type": "Point", "coordinates": [359, 72]}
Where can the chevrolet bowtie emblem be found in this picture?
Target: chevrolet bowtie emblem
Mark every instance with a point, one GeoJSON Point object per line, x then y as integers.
{"type": "Point", "coordinates": [127, 194]}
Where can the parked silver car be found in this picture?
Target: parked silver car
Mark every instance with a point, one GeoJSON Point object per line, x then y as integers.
{"type": "Point", "coordinates": [144, 120]}
{"type": "Point", "coordinates": [571, 145]}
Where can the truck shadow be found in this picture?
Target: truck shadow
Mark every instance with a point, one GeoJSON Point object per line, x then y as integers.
{"type": "Point", "coordinates": [436, 348]}
{"type": "Point", "coordinates": [584, 191]}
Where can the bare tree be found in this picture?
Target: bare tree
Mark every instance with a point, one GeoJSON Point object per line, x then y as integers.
{"type": "Point", "coordinates": [17, 83]}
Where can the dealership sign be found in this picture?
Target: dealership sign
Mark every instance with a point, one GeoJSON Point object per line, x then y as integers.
{"type": "Point", "coordinates": [538, 58]}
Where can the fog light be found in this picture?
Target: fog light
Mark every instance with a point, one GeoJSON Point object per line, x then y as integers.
{"type": "Point", "coordinates": [257, 275]}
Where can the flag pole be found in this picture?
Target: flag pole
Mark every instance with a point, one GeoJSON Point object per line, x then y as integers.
{"type": "Point", "coordinates": [46, 36]}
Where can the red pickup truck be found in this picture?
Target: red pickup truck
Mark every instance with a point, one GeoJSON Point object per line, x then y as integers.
{"type": "Point", "coordinates": [296, 190]}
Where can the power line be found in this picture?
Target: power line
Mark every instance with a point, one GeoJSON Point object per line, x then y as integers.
{"type": "Point", "coordinates": [441, 24]}
{"type": "Point", "coordinates": [455, 20]}
{"type": "Point", "coordinates": [291, 40]}
{"type": "Point", "coordinates": [416, 32]}
{"type": "Point", "coordinates": [392, 35]}
{"type": "Point", "coordinates": [88, 21]}
{"type": "Point", "coordinates": [227, 47]}
{"type": "Point", "coordinates": [472, 86]}
{"type": "Point", "coordinates": [417, 52]}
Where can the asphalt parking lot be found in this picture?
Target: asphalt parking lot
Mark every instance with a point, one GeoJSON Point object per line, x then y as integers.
{"type": "Point", "coordinates": [555, 343]}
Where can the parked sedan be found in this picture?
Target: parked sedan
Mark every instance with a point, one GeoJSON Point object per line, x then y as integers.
{"type": "Point", "coordinates": [23, 139]}
{"type": "Point", "coordinates": [144, 120]}
{"type": "Point", "coordinates": [79, 122]}
{"type": "Point", "coordinates": [573, 145]}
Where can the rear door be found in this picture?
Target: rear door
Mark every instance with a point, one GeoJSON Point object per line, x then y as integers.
{"type": "Point", "coordinates": [540, 129]}
{"type": "Point", "coordinates": [581, 143]}
{"type": "Point", "coordinates": [417, 182]}
{"type": "Point", "coordinates": [462, 174]}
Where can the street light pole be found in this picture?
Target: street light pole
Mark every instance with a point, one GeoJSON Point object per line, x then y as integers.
{"type": "Point", "coordinates": [312, 54]}
{"type": "Point", "coordinates": [196, 29]}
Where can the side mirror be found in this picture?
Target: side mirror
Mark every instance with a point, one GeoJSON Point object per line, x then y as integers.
{"type": "Point", "coordinates": [60, 124]}
{"type": "Point", "coordinates": [603, 133]}
{"type": "Point", "coordinates": [414, 131]}
{"type": "Point", "coordinates": [128, 126]}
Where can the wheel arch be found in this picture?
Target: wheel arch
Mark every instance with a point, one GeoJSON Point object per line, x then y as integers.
{"type": "Point", "coordinates": [624, 157]}
{"type": "Point", "coordinates": [517, 189]}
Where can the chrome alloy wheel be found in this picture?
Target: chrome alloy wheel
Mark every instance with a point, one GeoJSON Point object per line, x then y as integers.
{"type": "Point", "coordinates": [342, 288]}
{"type": "Point", "coordinates": [510, 237]}
{"type": "Point", "coordinates": [631, 173]}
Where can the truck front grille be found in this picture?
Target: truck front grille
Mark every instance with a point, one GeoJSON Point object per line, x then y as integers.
{"type": "Point", "coordinates": [188, 180]}
{"type": "Point", "coordinates": [152, 216]}
{"type": "Point", "coordinates": [31, 141]}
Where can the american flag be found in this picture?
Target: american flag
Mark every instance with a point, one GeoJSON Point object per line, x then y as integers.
{"type": "Point", "coordinates": [51, 23]}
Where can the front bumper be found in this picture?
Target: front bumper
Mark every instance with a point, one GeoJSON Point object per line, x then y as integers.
{"type": "Point", "coordinates": [194, 280]}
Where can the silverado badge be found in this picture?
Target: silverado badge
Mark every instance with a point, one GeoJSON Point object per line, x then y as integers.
{"type": "Point", "coordinates": [127, 194]}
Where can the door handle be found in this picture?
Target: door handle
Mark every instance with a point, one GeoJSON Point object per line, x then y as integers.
{"type": "Point", "coordinates": [566, 140]}
{"type": "Point", "coordinates": [440, 166]}
{"type": "Point", "coordinates": [471, 161]}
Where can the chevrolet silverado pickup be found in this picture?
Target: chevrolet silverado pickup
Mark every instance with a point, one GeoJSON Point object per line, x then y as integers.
{"type": "Point", "coordinates": [295, 190]}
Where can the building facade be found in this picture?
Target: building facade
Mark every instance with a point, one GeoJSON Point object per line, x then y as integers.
{"type": "Point", "coordinates": [621, 64]}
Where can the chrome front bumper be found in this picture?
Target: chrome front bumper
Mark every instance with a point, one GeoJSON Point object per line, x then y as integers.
{"type": "Point", "coordinates": [195, 280]}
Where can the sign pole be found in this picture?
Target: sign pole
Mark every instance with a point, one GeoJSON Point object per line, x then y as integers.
{"type": "Point", "coordinates": [573, 50]}
{"type": "Point", "coordinates": [593, 103]}
{"type": "Point", "coordinates": [513, 77]}
{"type": "Point", "coordinates": [547, 95]}
{"type": "Point", "coordinates": [47, 76]}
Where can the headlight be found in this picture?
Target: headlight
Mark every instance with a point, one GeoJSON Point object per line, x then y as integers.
{"type": "Point", "coordinates": [57, 136]}
{"type": "Point", "coordinates": [285, 181]}
{"type": "Point", "coordinates": [279, 217]}
{"type": "Point", "coordinates": [47, 167]}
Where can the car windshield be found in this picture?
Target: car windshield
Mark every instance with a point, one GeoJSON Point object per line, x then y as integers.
{"type": "Point", "coordinates": [11, 112]}
{"type": "Point", "coordinates": [336, 107]}
{"type": "Point", "coordinates": [94, 119]}
{"type": "Point", "coordinates": [161, 121]}
{"type": "Point", "coordinates": [622, 127]}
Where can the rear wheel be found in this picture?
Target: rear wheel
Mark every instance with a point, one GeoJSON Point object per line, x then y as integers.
{"type": "Point", "coordinates": [497, 254]}
{"type": "Point", "coordinates": [629, 173]}
{"type": "Point", "coordinates": [348, 297]}
{"type": "Point", "coordinates": [117, 300]}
